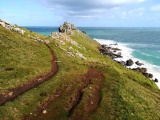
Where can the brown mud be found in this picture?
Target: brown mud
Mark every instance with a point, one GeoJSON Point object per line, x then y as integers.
{"type": "Point", "coordinates": [79, 105]}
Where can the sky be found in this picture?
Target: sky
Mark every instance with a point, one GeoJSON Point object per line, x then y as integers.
{"type": "Point", "coordinates": [82, 13]}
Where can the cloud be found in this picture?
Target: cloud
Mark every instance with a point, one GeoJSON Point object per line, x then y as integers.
{"type": "Point", "coordinates": [86, 8]}
{"type": "Point", "coordinates": [134, 13]}
{"type": "Point", "coordinates": [155, 8]}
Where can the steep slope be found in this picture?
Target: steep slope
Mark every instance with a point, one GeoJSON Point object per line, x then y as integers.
{"type": "Point", "coordinates": [88, 85]}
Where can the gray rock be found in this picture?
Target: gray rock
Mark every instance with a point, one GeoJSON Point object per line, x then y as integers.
{"type": "Point", "coordinates": [149, 75]}
{"type": "Point", "coordinates": [2, 24]}
{"type": "Point", "coordinates": [129, 62]}
{"type": "Point", "coordinates": [119, 53]}
{"type": "Point", "coordinates": [19, 30]}
{"type": "Point", "coordinates": [67, 28]}
{"type": "Point", "coordinates": [104, 46]}
{"type": "Point", "coordinates": [7, 25]}
{"type": "Point", "coordinates": [116, 49]}
{"type": "Point", "coordinates": [141, 70]}
{"type": "Point", "coordinates": [138, 63]}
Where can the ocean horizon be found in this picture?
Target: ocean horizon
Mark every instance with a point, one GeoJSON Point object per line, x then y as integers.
{"type": "Point", "coordinates": [140, 43]}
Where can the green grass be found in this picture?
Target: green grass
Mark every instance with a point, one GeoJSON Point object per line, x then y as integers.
{"type": "Point", "coordinates": [27, 58]}
{"type": "Point", "coordinates": [125, 94]}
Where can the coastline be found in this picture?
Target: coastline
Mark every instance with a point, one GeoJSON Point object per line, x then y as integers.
{"type": "Point", "coordinates": [126, 54]}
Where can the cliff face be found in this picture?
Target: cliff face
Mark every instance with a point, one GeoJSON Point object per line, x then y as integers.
{"type": "Point", "coordinates": [87, 85]}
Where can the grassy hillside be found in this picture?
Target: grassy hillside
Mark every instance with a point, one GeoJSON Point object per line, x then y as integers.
{"type": "Point", "coordinates": [87, 86]}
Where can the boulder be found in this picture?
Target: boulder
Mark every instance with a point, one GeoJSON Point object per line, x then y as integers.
{"type": "Point", "coordinates": [116, 49]}
{"type": "Point", "coordinates": [2, 24]}
{"type": "Point", "coordinates": [104, 51]}
{"type": "Point", "coordinates": [16, 29]}
{"type": "Point", "coordinates": [22, 32]}
{"type": "Point", "coordinates": [141, 70]}
{"type": "Point", "coordinates": [149, 75]}
{"type": "Point", "coordinates": [129, 62]}
{"type": "Point", "coordinates": [138, 63]}
{"type": "Point", "coordinates": [144, 72]}
{"type": "Point", "coordinates": [156, 80]}
{"type": "Point", "coordinates": [84, 32]}
{"type": "Point", "coordinates": [104, 46]}
{"type": "Point", "coordinates": [119, 53]}
{"type": "Point", "coordinates": [19, 30]}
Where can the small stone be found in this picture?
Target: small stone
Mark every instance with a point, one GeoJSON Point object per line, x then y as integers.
{"type": "Point", "coordinates": [44, 111]}
{"type": "Point", "coordinates": [10, 94]}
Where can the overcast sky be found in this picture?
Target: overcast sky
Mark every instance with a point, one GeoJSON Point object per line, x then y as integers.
{"type": "Point", "coordinates": [93, 13]}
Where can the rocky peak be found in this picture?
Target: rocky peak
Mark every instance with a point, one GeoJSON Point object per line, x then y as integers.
{"type": "Point", "coordinates": [67, 28]}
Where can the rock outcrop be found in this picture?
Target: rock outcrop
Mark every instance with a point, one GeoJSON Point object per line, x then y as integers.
{"type": "Point", "coordinates": [144, 72]}
{"type": "Point", "coordinates": [10, 26]}
{"type": "Point", "coordinates": [15, 28]}
{"type": "Point", "coordinates": [138, 63]}
{"type": "Point", "coordinates": [67, 28]}
{"type": "Point", "coordinates": [109, 51]}
{"type": "Point", "coordinates": [63, 37]}
{"type": "Point", "coordinates": [129, 62]}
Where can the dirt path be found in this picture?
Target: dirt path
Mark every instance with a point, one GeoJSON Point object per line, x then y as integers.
{"type": "Point", "coordinates": [80, 106]}
{"type": "Point", "coordinates": [15, 92]}
{"type": "Point", "coordinates": [85, 104]}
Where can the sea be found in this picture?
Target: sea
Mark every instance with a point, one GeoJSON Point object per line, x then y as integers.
{"type": "Point", "coordinates": [138, 44]}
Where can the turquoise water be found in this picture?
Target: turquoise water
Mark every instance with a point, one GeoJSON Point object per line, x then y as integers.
{"type": "Point", "coordinates": [145, 42]}
{"type": "Point", "coordinates": [42, 29]}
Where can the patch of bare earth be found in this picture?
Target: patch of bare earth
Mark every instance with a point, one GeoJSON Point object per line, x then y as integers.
{"type": "Point", "coordinates": [80, 100]}
{"type": "Point", "coordinates": [90, 96]}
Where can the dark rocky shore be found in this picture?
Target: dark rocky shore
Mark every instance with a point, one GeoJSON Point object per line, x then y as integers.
{"type": "Point", "coordinates": [115, 52]}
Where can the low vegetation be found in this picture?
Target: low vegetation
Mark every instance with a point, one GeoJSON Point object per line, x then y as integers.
{"type": "Point", "coordinates": [95, 88]}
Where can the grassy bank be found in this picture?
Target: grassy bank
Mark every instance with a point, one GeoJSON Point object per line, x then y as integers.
{"type": "Point", "coordinates": [72, 92]}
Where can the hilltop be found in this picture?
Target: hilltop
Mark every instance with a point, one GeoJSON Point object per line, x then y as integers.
{"type": "Point", "coordinates": [64, 76]}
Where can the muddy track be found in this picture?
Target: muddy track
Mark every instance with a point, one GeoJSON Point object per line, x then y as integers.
{"type": "Point", "coordinates": [84, 105]}
{"type": "Point", "coordinates": [92, 77]}
{"type": "Point", "coordinates": [15, 92]}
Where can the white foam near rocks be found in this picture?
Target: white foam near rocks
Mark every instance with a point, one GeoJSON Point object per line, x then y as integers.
{"type": "Point", "coordinates": [126, 52]}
